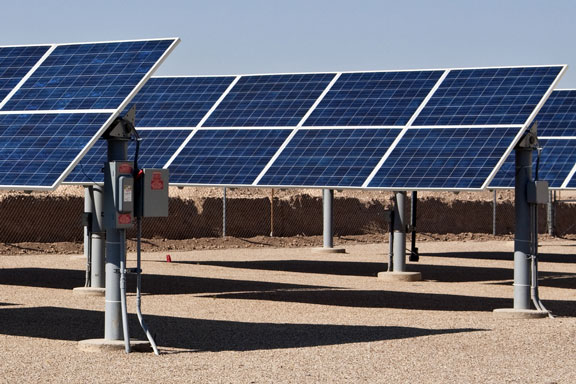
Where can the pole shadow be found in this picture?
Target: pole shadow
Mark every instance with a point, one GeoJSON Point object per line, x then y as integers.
{"type": "Point", "coordinates": [202, 334]}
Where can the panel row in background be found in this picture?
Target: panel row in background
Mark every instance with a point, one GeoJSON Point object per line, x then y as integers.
{"type": "Point", "coordinates": [484, 96]}
{"type": "Point", "coordinates": [56, 100]}
{"type": "Point", "coordinates": [395, 156]}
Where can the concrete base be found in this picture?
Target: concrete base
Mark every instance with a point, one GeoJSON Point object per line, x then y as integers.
{"type": "Point", "coordinates": [399, 276]}
{"type": "Point", "coordinates": [103, 345]}
{"type": "Point", "coordinates": [78, 257]}
{"type": "Point", "coordinates": [328, 250]}
{"type": "Point", "coordinates": [89, 291]}
{"type": "Point", "coordinates": [511, 313]}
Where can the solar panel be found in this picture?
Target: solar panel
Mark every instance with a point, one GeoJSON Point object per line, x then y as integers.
{"type": "Point", "coordinates": [373, 98]}
{"type": "Point", "coordinates": [226, 156]}
{"type": "Point", "coordinates": [178, 101]}
{"type": "Point", "coordinates": [557, 159]}
{"type": "Point", "coordinates": [558, 115]}
{"type": "Point", "coordinates": [502, 96]}
{"type": "Point", "coordinates": [269, 100]}
{"type": "Point", "coordinates": [557, 138]}
{"type": "Point", "coordinates": [64, 103]}
{"type": "Point", "coordinates": [156, 148]}
{"type": "Point", "coordinates": [15, 63]}
{"type": "Point", "coordinates": [330, 157]}
{"type": "Point", "coordinates": [444, 158]}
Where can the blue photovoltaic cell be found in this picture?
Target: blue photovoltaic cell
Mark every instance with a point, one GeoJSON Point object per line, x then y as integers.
{"type": "Point", "coordinates": [558, 115]}
{"type": "Point", "coordinates": [88, 76]}
{"type": "Point", "coordinates": [488, 96]}
{"type": "Point", "coordinates": [156, 148]}
{"type": "Point", "coordinates": [330, 157]}
{"type": "Point", "coordinates": [444, 158]}
{"type": "Point", "coordinates": [177, 101]}
{"type": "Point", "coordinates": [15, 63]}
{"type": "Point", "coordinates": [557, 159]}
{"type": "Point", "coordinates": [226, 156]}
{"type": "Point", "coordinates": [373, 98]}
{"type": "Point", "coordinates": [37, 148]}
{"type": "Point", "coordinates": [269, 100]}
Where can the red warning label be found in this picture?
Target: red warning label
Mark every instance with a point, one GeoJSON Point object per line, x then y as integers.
{"type": "Point", "coordinates": [125, 168]}
{"type": "Point", "coordinates": [124, 218]}
{"type": "Point", "coordinates": [156, 183]}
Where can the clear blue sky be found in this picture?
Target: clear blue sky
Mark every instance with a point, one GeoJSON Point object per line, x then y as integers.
{"type": "Point", "coordinates": [257, 36]}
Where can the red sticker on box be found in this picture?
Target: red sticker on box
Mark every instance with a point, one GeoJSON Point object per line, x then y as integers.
{"type": "Point", "coordinates": [156, 183]}
{"type": "Point", "coordinates": [125, 168]}
{"type": "Point", "coordinates": [124, 218]}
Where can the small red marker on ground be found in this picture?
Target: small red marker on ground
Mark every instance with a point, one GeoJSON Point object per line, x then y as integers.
{"type": "Point", "coordinates": [168, 259]}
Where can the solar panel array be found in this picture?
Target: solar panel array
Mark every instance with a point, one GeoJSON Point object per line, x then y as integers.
{"type": "Point", "coordinates": [431, 129]}
{"type": "Point", "coordinates": [557, 138]}
{"type": "Point", "coordinates": [56, 100]}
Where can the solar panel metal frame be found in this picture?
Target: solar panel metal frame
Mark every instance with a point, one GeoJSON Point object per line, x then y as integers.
{"type": "Point", "coordinates": [403, 128]}
{"type": "Point", "coordinates": [569, 177]}
{"type": "Point", "coordinates": [114, 113]}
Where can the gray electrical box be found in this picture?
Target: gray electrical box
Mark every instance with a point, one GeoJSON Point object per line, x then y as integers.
{"type": "Point", "coordinates": [537, 192]}
{"type": "Point", "coordinates": [119, 176]}
{"type": "Point", "coordinates": [154, 190]}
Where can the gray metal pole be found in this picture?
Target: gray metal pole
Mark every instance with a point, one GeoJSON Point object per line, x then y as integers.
{"type": "Point", "coordinates": [87, 209]}
{"type": "Point", "coordinates": [327, 200]}
{"type": "Point", "coordinates": [115, 238]}
{"type": "Point", "coordinates": [224, 213]}
{"type": "Point", "coordinates": [400, 232]}
{"type": "Point", "coordinates": [551, 212]}
{"type": "Point", "coordinates": [522, 239]}
{"type": "Point", "coordinates": [98, 274]}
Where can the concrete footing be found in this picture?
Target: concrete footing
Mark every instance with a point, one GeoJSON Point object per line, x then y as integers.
{"type": "Point", "coordinates": [89, 291]}
{"type": "Point", "coordinates": [511, 313]}
{"type": "Point", "coordinates": [328, 250]}
{"type": "Point", "coordinates": [103, 345]}
{"type": "Point", "coordinates": [399, 276]}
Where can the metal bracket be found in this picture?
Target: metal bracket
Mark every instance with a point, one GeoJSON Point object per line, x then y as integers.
{"type": "Point", "coordinates": [530, 139]}
{"type": "Point", "coordinates": [123, 128]}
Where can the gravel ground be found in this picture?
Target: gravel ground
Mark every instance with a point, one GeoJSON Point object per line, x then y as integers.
{"type": "Point", "coordinates": [264, 315]}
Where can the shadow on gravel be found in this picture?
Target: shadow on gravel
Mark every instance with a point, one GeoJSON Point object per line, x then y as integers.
{"type": "Point", "coordinates": [343, 268]}
{"type": "Point", "coordinates": [151, 284]}
{"type": "Point", "coordinates": [544, 257]}
{"type": "Point", "coordinates": [441, 273]}
{"type": "Point", "coordinates": [393, 299]}
{"type": "Point", "coordinates": [200, 334]}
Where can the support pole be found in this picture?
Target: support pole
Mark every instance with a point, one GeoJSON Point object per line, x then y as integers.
{"type": "Point", "coordinates": [272, 213]}
{"type": "Point", "coordinates": [399, 272]}
{"type": "Point", "coordinates": [523, 240]}
{"type": "Point", "coordinates": [93, 243]}
{"type": "Point", "coordinates": [414, 255]}
{"type": "Point", "coordinates": [327, 203]}
{"type": "Point", "coordinates": [98, 274]}
{"type": "Point", "coordinates": [400, 232]}
{"type": "Point", "coordinates": [115, 239]}
{"type": "Point", "coordinates": [327, 230]}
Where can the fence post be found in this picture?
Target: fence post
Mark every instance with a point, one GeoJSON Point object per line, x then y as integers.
{"type": "Point", "coordinates": [272, 213]}
{"type": "Point", "coordinates": [224, 213]}
{"type": "Point", "coordinates": [551, 213]}
{"type": "Point", "coordinates": [494, 214]}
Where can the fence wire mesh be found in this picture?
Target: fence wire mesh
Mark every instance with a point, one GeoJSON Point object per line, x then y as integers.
{"type": "Point", "coordinates": [202, 212]}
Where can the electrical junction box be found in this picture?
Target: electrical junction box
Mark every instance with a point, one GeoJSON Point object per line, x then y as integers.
{"type": "Point", "coordinates": [118, 176]}
{"type": "Point", "coordinates": [537, 192]}
{"type": "Point", "coordinates": [153, 199]}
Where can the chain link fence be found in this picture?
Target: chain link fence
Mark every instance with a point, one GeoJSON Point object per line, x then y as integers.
{"type": "Point", "coordinates": [198, 212]}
